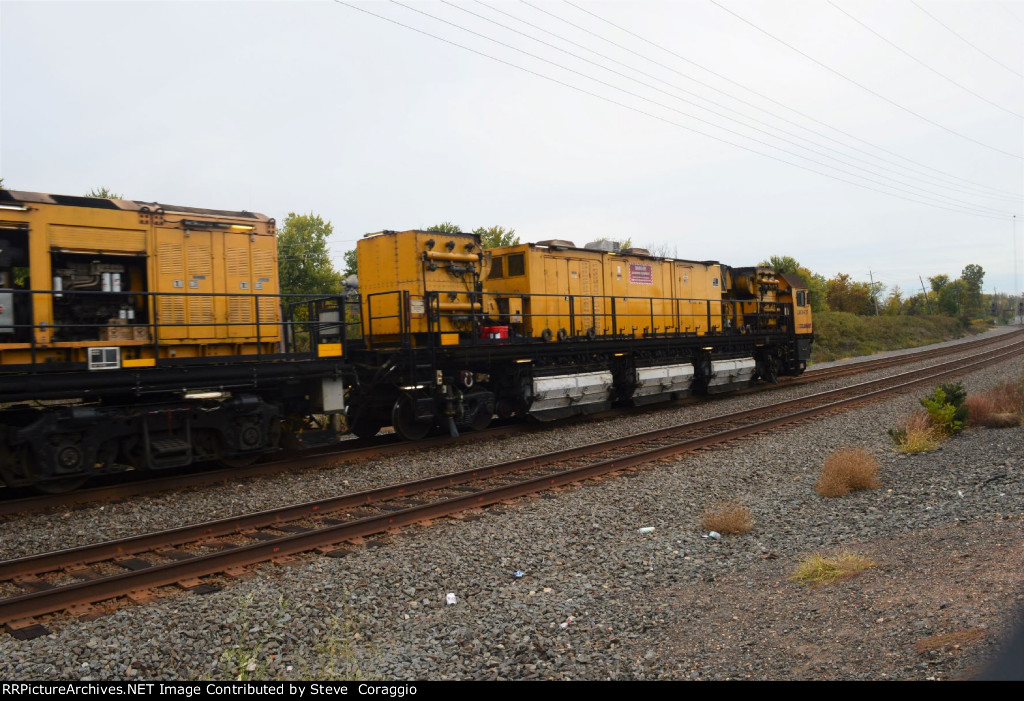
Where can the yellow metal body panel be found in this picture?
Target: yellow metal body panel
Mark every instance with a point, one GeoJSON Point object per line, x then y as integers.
{"type": "Point", "coordinates": [449, 339]}
{"type": "Point", "coordinates": [159, 255]}
{"type": "Point", "coordinates": [395, 265]}
{"type": "Point", "coordinates": [610, 293]}
{"type": "Point", "coordinates": [86, 238]}
{"type": "Point", "coordinates": [329, 350]}
{"type": "Point", "coordinates": [793, 294]}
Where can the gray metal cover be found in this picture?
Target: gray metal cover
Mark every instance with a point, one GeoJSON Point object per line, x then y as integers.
{"type": "Point", "coordinates": [6, 312]}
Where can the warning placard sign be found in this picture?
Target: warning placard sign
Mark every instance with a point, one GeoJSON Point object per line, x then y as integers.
{"type": "Point", "coordinates": [641, 274]}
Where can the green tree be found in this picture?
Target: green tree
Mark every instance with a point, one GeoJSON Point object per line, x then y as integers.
{"type": "Point", "coordinates": [104, 193]}
{"type": "Point", "coordinates": [303, 261]}
{"type": "Point", "coordinates": [938, 282]}
{"type": "Point", "coordinates": [351, 263]}
{"type": "Point", "coordinates": [446, 228]}
{"type": "Point", "coordinates": [916, 305]}
{"type": "Point", "coordinates": [489, 237]}
{"type": "Point", "coordinates": [972, 276]}
{"type": "Point", "coordinates": [845, 295]}
{"type": "Point", "coordinates": [496, 236]}
{"type": "Point", "coordinates": [893, 304]}
{"type": "Point", "coordinates": [952, 298]}
{"type": "Point", "coordinates": [2, 186]}
{"type": "Point", "coordinates": [816, 284]}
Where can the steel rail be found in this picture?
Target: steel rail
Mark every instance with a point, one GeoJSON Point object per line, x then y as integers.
{"type": "Point", "coordinates": [47, 562]}
{"type": "Point", "coordinates": [92, 591]}
{"type": "Point", "coordinates": [365, 452]}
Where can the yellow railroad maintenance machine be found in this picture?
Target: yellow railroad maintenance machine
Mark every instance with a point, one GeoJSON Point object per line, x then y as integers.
{"type": "Point", "coordinates": [454, 334]}
{"type": "Point", "coordinates": [142, 335]}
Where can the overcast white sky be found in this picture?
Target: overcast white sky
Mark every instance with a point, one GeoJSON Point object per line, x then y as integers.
{"type": "Point", "coordinates": [316, 106]}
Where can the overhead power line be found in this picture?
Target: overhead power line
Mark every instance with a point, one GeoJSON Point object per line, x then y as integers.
{"type": "Point", "coordinates": [971, 188]}
{"type": "Point", "coordinates": [862, 86]}
{"type": "Point", "coordinates": [654, 116]}
{"type": "Point", "coordinates": [951, 176]}
{"type": "Point", "coordinates": [933, 70]}
{"type": "Point", "coordinates": [964, 40]}
{"type": "Point", "coordinates": [944, 198]}
{"type": "Point", "coordinates": [719, 114]}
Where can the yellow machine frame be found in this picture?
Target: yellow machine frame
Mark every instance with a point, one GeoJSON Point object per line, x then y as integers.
{"type": "Point", "coordinates": [182, 252]}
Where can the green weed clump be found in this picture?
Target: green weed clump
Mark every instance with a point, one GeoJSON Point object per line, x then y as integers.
{"type": "Point", "coordinates": [946, 408]}
{"type": "Point", "coordinates": [251, 657]}
{"type": "Point", "coordinates": [946, 412]}
{"type": "Point", "coordinates": [916, 434]}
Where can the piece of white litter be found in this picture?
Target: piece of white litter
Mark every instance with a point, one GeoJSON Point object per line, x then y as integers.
{"type": "Point", "coordinates": [646, 529]}
{"type": "Point", "coordinates": [713, 534]}
{"type": "Point", "coordinates": [960, 494]}
{"type": "Point", "coordinates": [450, 599]}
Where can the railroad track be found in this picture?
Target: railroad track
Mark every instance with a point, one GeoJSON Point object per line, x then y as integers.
{"type": "Point", "coordinates": [78, 579]}
{"type": "Point", "coordinates": [18, 502]}
{"type": "Point", "coordinates": [819, 374]}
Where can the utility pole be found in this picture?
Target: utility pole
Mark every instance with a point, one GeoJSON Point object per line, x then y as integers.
{"type": "Point", "coordinates": [924, 292]}
{"type": "Point", "coordinates": [874, 297]}
{"type": "Point", "coordinates": [1016, 281]}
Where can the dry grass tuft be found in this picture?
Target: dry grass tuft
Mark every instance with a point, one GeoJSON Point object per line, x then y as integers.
{"type": "Point", "coordinates": [1001, 407]}
{"type": "Point", "coordinates": [917, 434]}
{"type": "Point", "coordinates": [980, 408]}
{"type": "Point", "coordinates": [847, 470]}
{"type": "Point", "coordinates": [819, 569]}
{"type": "Point", "coordinates": [949, 641]}
{"type": "Point", "coordinates": [728, 519]}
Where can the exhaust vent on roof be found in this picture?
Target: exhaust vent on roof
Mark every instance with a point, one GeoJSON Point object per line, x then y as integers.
{"type": "Point", "coordinates": [94, 202]}
{"type": "Point", "coordinates": [556, 243]}
{"type": "Point", "coordinates": [603, 245]}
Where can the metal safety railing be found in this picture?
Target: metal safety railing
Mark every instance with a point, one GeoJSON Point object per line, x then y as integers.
{"type": "Point", "coordinates": [46, 323]}
{"type": "Point", "coordinates": [545, 317]}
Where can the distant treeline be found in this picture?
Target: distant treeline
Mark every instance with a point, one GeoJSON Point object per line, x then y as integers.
{"type": "Point", "coordinates": [961, 298]}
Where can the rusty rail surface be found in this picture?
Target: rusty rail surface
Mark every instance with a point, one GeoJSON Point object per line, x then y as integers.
{"type": "Point", "coordinates": [17, 611]}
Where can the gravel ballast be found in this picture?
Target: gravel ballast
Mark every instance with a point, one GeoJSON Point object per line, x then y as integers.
{"type": "Point", "coordinates": [598, 599]}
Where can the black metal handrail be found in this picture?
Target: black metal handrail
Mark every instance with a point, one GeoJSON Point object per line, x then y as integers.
{"type": "Point", "coordinates": [295, 324]}
{"type": "Point", "coordinates": [588, 316]}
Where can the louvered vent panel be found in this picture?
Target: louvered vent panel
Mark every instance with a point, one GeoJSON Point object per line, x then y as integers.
{"type": "Point", "coordinates": [199, 262]}
{"type": "Point", "coordinates": [263, 263]}
{"type": "Point", "coordinates": [172, 311]}
{"type": "Point", "coordinates": [170, 259]}
{"type": "Point", "coordinates": [238, 262]}
{"type": "Point", "coordinates": [240, 310]}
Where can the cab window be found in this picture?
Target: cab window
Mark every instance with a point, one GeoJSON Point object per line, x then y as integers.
{"type": "Point", "coordinates": [516, 264]}
{"type": "Point", "coordinates": [497, 267]}
{"type": "Point", "coordinates": [801, 298]}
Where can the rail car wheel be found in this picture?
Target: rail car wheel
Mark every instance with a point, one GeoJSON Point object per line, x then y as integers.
{"type": "Point", "coordinates": [69, 457]}
{"type": "Point", "coordinates": [479, 408]}
{"type": "Point", "coordinates": [403, 418]}
{"type": "Point", "coordinates": [481, 419]}
{"type": "Point", "coordinates": [235, 461]}
{"type": "Point", "coordinates": [364, 426]}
